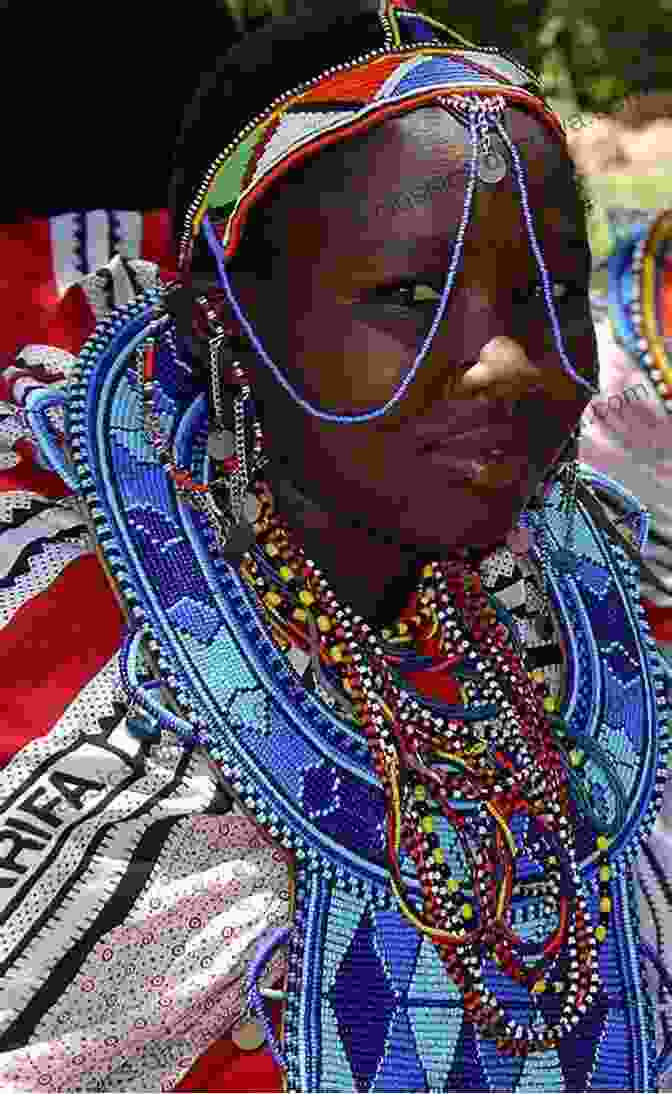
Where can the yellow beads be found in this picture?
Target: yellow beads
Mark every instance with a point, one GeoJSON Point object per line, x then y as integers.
{"type": "Point", "coordinates": [272, 600]}
{"type": "Point", "coordinates": [306, 598]}
{"type": "Point", "coordinates": [549, 704]}
{"type": "Point", "coordinates": [438, 855]}
{"type": "Point", "coordinates": [271, 550]}
{"type": "Point", "coordinates": [605, 873]}
{"type": "Point", "coordinates": [600, 933]}
{"type": "Point", "coordinates": [467, 911]}
{"type": "Point", "coordinates": [427, 571]}
{"type": "Point", "coordinates": [452, 885]}
{"type": "Point", "coordinates": [427, 824]}
{"type": "Point", "coordinates": [336, 653]}
{"type": "Point", "coordinates": [605, 905]}
{"type": "Point", "coordinates": [420, 793]}
{"type": "Point", "coordinates": [537, 675]}
{"type": "Point", "coordinates": [539, 987]}
{"type": "Point", "coordinates": [576, 757]}
{"type": "Point", "coordinates": [602, 843]}
{"type": "Point", "coordinates": [300, 614]}
{"type": "Point", "coordinates": [324, 623]}
{"type": "Point", "coordinates": [285, 573]}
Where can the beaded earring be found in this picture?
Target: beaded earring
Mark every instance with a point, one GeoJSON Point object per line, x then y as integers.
{"type": "Point", "coordinates": [238, 461]}
{"type": "Point", "coordinates": [569, 477]}
{"type": "Point", "coordinates": [235, 447]}
{"type": "Point", "coordinates": [565, 472]}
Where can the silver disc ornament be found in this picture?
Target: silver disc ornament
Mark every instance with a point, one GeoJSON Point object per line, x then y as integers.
{"type": "Point", "coordinates": [492, 166]}
{"type": "Point", "coordinates": [249, 1035]}
{"type": "Point", "coordinates": [221, 444]}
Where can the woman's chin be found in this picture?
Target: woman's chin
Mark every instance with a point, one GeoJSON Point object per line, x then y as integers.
{"type": "Point", "coordinates": [477, 518]}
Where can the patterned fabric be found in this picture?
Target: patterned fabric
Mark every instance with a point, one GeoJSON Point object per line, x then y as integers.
{"type": "Point", "coordinates": [367, 1006]}
{"type": "Point", "coordinates": [131, 894]}
{"type": "Point", "coordinates": [383, 84]}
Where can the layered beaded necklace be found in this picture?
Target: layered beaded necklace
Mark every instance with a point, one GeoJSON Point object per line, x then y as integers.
{"type": "Point", "coordinates": [474, 785]}
{"type": "Point", "coordinates": [474, 767]}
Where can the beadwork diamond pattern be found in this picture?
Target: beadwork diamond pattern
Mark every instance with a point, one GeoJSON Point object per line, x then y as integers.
{"type": "Point", "coordinates": [196, 618]}
{"type": "Point", "coordinates": [321, 782]}
{"type": "Point", "coordinates": [407, 1049]}
{"type": "Point", "coordinates": [400, 1068]}
{"type": "Point", "coordinates": [436, 71]}
{"type": "Point", "coordinates": [593, 577]}
{"type": "Point", "coordinates": [363, 1002]}
{"type": "Point", "coordinates": [399, 949]}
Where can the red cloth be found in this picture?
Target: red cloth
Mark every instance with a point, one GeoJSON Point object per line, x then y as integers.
{"type": "Point", "coordinates": [225, 1068]}
{"type": "Point", "coordinates": [660, 621]}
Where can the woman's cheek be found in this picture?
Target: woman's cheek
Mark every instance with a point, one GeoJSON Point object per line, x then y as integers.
{"type": "Point", "coordinates": [353, 361]}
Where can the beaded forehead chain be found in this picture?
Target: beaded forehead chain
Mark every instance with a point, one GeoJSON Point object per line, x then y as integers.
{"type": "Point", "coordinates": [347, 100]}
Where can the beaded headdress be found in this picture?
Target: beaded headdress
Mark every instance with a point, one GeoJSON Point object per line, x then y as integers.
{"type": "Point", "coordinates": [412, 65]}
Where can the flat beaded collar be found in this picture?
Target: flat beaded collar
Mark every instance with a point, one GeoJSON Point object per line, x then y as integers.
{"type": "Point", "coordinates": [196, 635]}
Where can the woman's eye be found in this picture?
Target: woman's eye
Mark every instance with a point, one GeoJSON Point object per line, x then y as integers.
{"type": "Point", "coordinates": [412, 295]}
{"type": "Point", "coordinates": [560, 290]}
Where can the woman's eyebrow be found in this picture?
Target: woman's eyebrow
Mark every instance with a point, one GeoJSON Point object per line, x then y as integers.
{"type": "Point", "coordinates": [405, 255]}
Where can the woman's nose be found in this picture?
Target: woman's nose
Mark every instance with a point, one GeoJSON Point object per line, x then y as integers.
{"type": "Point", "coordinates": [502, 370]}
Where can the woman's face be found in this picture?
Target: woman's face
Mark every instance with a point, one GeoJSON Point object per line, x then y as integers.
{"type": "Point", "coordinates": [362, 240]}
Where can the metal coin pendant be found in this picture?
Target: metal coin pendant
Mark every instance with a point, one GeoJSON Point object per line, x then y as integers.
{"type": "Point", "coordinates": [242, 537]}
{"type": "Point", "coordinates": [221, 444]}
{"type": "Point", "coordinates": [249, 1035]}
{"type": "Point", "coordinates": [251, 508]}
{"type": "Point", "coordinates": [491, 166]}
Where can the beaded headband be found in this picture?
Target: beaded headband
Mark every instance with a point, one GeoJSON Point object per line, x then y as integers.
{"type": "Point", "coordinates": [347, 100]}
{"type": "Point", "coordinates": [640, 297]}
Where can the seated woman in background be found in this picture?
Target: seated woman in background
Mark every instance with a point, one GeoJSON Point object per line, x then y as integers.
{"type": "Point", "coordinates": [331, 475]}
{"type": "Point", "coordinates": [626, 431]}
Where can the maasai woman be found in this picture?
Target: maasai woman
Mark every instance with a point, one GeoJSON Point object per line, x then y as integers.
{"type": "Point", "coordinates": [362, 572]}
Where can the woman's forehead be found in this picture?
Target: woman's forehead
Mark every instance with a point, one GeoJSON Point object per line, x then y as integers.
{"type": "Point", "coordinates": [405, 181]}
{"type": "Point", "coordinates": [421, 148]}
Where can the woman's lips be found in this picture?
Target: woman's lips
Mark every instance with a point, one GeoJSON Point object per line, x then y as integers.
{"type": "Point", "coordinates": [474, 443]}
{"type": "Point", "coordinates": [498, 470]}
{"type": "Point", "coordinates": [489, 457]}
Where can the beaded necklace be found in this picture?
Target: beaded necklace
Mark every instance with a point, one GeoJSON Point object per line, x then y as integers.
{"type": "Point", "coordinates": [637, 303]}
{"type": "Point", "coordinates": [499, 754]}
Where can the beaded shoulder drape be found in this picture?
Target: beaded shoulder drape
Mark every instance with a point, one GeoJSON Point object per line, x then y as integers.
{"type": "Point", "coordinates": [370, 1005]}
